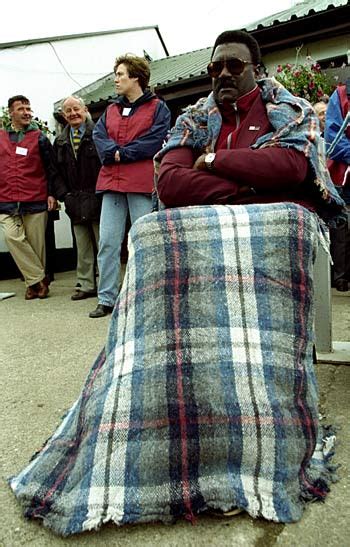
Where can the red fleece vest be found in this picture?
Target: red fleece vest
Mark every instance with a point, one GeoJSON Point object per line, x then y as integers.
{"type": "Point", "coordinates": [22, 176]}
{"type": "Point", "coordinates": [134, 176]}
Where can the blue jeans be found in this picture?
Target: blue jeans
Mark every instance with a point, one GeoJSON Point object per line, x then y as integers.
{"type": "Point", "coordinates": [115, 207]}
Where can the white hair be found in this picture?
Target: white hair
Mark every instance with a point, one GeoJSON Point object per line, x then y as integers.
{"type": "Point", "coordinates": [81, 102]}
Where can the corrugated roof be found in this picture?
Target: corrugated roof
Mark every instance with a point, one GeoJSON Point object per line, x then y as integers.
{"type": "Point", "coordinates": [186, 66]}
{"type": "Point", "coordinates": [302, 9]}
{"type": "Point", "coordinates": [178, 68]}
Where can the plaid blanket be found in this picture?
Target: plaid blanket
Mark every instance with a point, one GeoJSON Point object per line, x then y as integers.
{"type": "Point", "coordinates": [205, 394]}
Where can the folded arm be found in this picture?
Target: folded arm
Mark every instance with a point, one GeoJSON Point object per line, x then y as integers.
{"type": "Point", "coordinates": [105, 146]}
{"type": "Point", "coordinates": [146, 146]}
{"type": "Point", "coordinates": [235, 173]}
{"type": "Point", "coordinates": [265, 169]}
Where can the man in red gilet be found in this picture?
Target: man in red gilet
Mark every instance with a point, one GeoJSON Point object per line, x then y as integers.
{"type": "Point", "coordinates": [26, 175]}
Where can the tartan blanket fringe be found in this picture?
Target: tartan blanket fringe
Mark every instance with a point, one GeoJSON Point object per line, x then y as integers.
{"type": "Point", "coordinates": [320, 468]}
{"type": "Point", "coordinates": [205, 395]}
{"type": "Point", "coordinates": [321, 471]}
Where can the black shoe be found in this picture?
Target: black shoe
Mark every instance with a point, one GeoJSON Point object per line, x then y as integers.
{"type": "Point", "coordinates": [101, 311]}
{"type": "Point", "coordinates": [81, 295]}
{"type": "Point", "coordinates": [342, 285]}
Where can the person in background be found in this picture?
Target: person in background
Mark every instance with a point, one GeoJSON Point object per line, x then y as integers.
{"type": "Point", "coordinates": [321, 109]}
{"type": "Point", "coordinates": [79, 165]}
{"type": "Point", "coordinates": [27, 173]}
{"type": "Point", "coordinates": [337, 139]}
{"type": "Point", "coordinates": [127, 136]}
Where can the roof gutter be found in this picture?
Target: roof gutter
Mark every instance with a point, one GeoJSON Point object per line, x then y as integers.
{"type": "Point", "coordinates": [33, 41]}
{"type": "Point", "coordinates": [297, 37]}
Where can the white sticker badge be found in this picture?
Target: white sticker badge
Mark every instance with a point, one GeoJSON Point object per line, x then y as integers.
{"type": "Point", "coordinates": [21, 151]}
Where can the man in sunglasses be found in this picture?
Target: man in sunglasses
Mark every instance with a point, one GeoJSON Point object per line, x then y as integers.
{"type": "Point", "coordinates": [250, 141]}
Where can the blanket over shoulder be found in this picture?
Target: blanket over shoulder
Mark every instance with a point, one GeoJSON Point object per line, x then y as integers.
{"type": "Point", "coordinates": [294, 123]}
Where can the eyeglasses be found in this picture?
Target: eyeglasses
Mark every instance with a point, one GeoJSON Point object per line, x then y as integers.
{"type": "Point", "coordinates": [235, 66]}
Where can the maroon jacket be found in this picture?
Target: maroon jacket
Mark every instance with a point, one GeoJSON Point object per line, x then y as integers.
{"type": "Point", "coordinates": [132, 176]}
{"type": "Point", "coordinates": [22, 176]}
{"type": "Point", "coordinates": [240, 174]}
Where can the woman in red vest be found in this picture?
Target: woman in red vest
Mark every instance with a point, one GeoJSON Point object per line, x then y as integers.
{"type": "Point", "coordinates": [127, 136]}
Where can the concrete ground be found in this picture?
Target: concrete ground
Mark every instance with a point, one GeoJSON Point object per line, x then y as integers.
{"type": "Point", "coordinates": [46, 350]}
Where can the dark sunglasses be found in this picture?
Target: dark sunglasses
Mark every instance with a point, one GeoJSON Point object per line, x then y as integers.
{"type": "Point", "coordinates": [234, 66]}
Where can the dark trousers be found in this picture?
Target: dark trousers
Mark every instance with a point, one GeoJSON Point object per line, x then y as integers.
{"type": "Point", "coordinates": [340, 241]}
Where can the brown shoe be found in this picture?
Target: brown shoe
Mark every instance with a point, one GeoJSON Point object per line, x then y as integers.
{"type": "Point", "coordinates": [47, 280]}
{"type": "Point", "coordinates": [31, 292]}
{"type": "Point", "coordinates": [43, 291]}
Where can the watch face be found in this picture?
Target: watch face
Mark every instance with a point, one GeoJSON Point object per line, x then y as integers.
{"type": "Point", "coordinates": [209, 158]}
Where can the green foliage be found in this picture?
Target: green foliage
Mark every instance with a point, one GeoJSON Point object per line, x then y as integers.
{"type": "Point", "coordinates": [6, 122]}
{"type": "Point", "coordinates": [305, 80]}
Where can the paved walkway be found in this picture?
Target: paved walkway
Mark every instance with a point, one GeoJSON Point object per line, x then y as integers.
{"type": "Point", "coordinates": [46, 350]}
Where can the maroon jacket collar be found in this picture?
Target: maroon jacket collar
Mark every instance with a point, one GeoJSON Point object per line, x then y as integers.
{"type": "Point", "coordinates": [253, 121]}
{"type": "Point", "coordinates": [255, 124]}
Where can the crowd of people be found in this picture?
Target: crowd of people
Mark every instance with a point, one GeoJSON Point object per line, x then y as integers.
{"type": "Point", "coordinates": [104, 173]}
{"type": "Point", "coordinates": [101, 174]}
{"type": "Point", "coordinates": [204, 396]}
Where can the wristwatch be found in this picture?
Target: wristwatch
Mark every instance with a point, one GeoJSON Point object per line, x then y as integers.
{"type": "Point", "coordinates": [209, 160]}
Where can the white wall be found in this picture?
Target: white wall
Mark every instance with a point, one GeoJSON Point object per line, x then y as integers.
{"type": "Point", "coordinates": [63, 232]}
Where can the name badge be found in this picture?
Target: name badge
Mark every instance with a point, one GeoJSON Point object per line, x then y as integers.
{"type": "Point", "coordinates": [126, 111]}
{"type": "Point", "coordinates": [21, 151]}
{"type": "Point", "coordinates": [253, 128]}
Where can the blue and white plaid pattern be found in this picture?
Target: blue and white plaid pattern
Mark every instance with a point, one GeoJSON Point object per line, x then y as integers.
{"type": "Point", "coordinates": [205, 395]}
